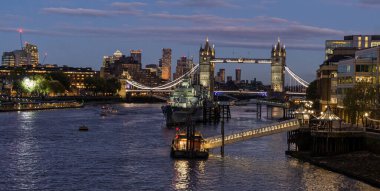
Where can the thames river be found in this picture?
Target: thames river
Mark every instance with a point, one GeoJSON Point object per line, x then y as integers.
{"type": "Point", "coordinates": [43, 150]}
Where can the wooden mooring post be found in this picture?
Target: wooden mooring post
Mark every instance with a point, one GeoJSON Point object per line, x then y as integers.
{"type": "Point", "coordinates": [258, 110]}
{"type": "Point", "coordinates": [222, 132]}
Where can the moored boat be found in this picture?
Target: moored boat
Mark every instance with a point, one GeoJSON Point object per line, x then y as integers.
{"type": "Point", "coordinates": [185, 101]}
{"type": "Point", "coordinates": [186, 146]}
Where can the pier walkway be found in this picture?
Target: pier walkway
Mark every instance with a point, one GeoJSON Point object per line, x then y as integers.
{"type": "Point", "coordinates": [270, 129]}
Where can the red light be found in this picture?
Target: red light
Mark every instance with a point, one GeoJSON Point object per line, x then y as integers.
{"type": "Point", "coordinates": [176, 136]}
{"type": "Point", "coordinates": [20, 30]}
{"type": "Point", "coordinates": [177, 129]}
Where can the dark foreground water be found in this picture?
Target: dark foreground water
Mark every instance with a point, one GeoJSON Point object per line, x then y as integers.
{"type": "Point", "coordinates": [43, 150]}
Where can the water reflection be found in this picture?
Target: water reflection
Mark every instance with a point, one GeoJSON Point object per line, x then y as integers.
{"type": "Point", "coordinates": [187, 173]}
{"type": "Point", "coordinates": [24, 159]}
{"type": "Point", "coordinates": [314, 178]}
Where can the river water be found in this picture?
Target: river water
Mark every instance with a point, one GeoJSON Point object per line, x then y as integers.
{"type": "Point", "coordinates": [43, 150]}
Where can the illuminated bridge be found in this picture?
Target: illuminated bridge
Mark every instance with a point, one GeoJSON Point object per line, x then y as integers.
{"type": "Point", "coordinates": [284, 126]}
{"type": "Point", "coordinates": [290, 83]}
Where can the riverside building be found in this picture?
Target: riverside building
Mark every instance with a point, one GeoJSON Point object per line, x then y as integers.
{"type": "Point", "coordinates": [352, 41]}
{"type": "Point", "coordinates": [364, 67]}
{"type": "Point", "coordinates": [77, 76]}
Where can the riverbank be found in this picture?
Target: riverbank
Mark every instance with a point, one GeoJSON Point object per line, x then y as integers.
{"type": "Point", "coordinates": [361, 165]}
{"type": "Point", "coordinates": [39, 105]}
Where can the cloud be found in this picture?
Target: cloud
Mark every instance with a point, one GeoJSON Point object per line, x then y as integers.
{"type": "Point", "coordinates": [357, 3]}
{"type": "Point", "coordinates": [268, 45]}
{"type": "Point", "coordinates": [86, 12]}
{"type": "Point", "coordinates": [369, 3]}
{"type": "Point", "coordinates": [200, 18]}
{"type": "Point", "coordinates": [298, 36]}
{"type": "Point", "coordinates": [199, 3]}
{"type": "Point", "coordinates": [35, 32]}
{"type": "Point", "coordinates": [127, 5]}
{"type": "Point", "coordinates": [77, 11]}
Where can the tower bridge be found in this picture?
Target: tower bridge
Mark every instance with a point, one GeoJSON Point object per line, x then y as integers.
{"type": "Point", "coordinates": [206, 67]}
{"type": "Point", "coordinates": [207, 61]}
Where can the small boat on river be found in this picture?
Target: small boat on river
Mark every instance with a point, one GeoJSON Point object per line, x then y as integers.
{"type": "Point", "coordinates": [108, 110]}
{"type": "Point", "coordinates": [83, 128]}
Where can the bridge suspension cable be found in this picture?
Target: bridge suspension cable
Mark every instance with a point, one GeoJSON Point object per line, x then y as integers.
{"type": "Point", "coordinates": [297, 78]}
{"type": "Point", "coordinates": [167, 85]}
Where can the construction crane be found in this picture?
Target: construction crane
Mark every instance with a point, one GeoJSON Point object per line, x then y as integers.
{"type": "Point", "coordinates": [43, 60]}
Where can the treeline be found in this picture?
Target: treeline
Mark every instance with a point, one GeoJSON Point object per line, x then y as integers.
{"type": "Point", "coordinates": [58, 83]}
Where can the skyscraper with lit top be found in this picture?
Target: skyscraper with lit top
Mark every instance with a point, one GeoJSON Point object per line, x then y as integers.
{"type": "Point", "coordinates": [166, 63]}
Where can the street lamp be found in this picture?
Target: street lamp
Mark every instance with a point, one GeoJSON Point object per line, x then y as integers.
{"type": "Point", "coordinates": [366, 118]}
{"type": "Point", "coordinates": [29, 84]}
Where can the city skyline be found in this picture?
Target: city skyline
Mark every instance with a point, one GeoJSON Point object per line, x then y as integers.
{"type": "Point", "coordinates": [88, 31]}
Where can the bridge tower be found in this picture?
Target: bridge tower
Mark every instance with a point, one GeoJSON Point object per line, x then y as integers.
{"type": "Point", "coordinates": [206, 68]}
{"type": "Point", "coordinates": [278, 67]}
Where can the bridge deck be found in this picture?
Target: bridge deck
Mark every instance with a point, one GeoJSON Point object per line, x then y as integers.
{"type": "Point", "coordinates": [271, 103]}
{"type": "Point", "coordinates": [284, 126]}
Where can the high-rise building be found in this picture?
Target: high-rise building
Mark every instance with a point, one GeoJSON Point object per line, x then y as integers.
{"type": "Point", "coordinates": [184, 65]}
{"type": "Point", "coordinates": [21, 58]}
{"type": "Point", "coordinates": [166, 63]}
{"type": "Point", "coordinates": [222, 75]}
{"type": "Point", "coordinates": [238, 75]}
{"type": "Point", "coordinates": [8, 59]}
{"type": "Point", "coordinates": [353, 41]}
{"type": "Point", "coordinates": [136, 55]}
{"type": "Point", "coordinates": [32, 52]}
{"type": "Point", "coordinates": [153, 68]}
{"type": "Point", "coordinates": [115, 65]}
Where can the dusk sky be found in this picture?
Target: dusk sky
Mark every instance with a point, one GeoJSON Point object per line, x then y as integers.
{"type": "Point", "coordinates": [80, 32]}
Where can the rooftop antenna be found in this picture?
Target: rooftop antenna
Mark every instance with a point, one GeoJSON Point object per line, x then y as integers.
{"type": "Point", "coordinates": [20, 31]}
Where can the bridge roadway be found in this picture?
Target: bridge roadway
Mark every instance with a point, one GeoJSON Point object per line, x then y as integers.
{"type": "Point", "coordinates": [274, 128]}
{"type": "Point", "coordinates": [242, 60]}
{"type": "Point", "coordinates": [219, 91]}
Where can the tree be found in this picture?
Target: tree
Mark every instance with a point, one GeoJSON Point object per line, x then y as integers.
{"type": "Point", "coordinates": [101, 85]}
{"type": "Point", "coordinates": [359, 100]}
{"type": "Point", "coordinates": [56, 87]}
{"type": "Point", "coordinates": [61, 78]}
{"type": "Point", "coordinates": [112, 85]}
{"type": "Point", "coordinates": [312, 93]}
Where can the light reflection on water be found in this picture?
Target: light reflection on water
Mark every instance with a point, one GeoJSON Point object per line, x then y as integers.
{"type": "Point", "coordinates": [130, 151]}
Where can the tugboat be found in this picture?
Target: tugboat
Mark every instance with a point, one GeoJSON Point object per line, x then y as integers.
{"type": "Point", "coordinates": [187, 99]}
{"type": "Point", "coordinates": [188, 145]}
